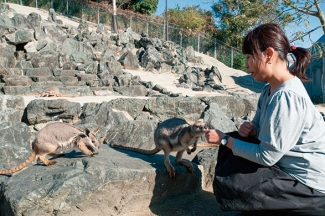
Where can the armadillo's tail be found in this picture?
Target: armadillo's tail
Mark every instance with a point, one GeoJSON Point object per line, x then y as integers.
{"type": "Point", "coordinates": [20, 167]}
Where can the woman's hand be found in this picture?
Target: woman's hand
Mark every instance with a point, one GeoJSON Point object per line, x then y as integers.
{"type": "Point", "coordinates": [214, 136]}
{"type": "Point", "coordinates": [247, 129]}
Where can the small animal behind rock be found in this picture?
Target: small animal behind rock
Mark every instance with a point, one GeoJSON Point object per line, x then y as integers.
{"type": "Point", "coordinates": [54, 139]}
{"type": "Point", "coordinates": [51, 91]}
{"type": "Point", "coordinates": [175, 134]}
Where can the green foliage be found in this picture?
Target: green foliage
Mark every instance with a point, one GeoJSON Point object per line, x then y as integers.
{"type": "Point", "coordinates": [240, 62]}
{"type": "Point", "coordinates": [146, 7]}
{"type": "Point", "coordinates": [236, 17]}
{"type": "Point", "coordinates": [191, 19]}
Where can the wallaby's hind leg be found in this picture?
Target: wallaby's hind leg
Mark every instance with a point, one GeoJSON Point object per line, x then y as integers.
{"type": "Point", "coordinates": [45, 160]}
{"type": "Point", "coordinates": [179, 160]}
{"type": "Point", "coordinates": [167, 149]}
{"type": "Point", "coordinates": [41, 153]}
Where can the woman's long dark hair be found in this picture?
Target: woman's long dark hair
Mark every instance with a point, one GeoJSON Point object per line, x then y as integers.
{"type": "Point", "coordinates": [272, 35]}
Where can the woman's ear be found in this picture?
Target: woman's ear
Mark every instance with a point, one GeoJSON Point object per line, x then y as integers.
{"type": "Point", "coordinates": [269, 52]}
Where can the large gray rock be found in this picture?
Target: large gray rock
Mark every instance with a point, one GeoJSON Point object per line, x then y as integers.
{"type": "Point", "coordinates": [55, 33]}
{"type": "Point", "coordinates": [14, 144]}
{"type": "Point", "coordinates": [19, 21]}
{"type": "Point", "coordinates": [16, 80]}
{"type": "Point", "coordinates": [207, 158]}
{"type": "Point", "coordinates": [42, 111]}
{"type": "Point", "coordinates": [7, 59]}
{"type": "Point", "coordinates": [111, 183]}
{"type": "Point", "coordinates": [132, 91]}
{"type": "Point", "coordinates": [129, 61]}
{"type": "Point", "coordinates": [12, 108]}
{"type": "Point", "coordinates": [167, 107]}
{"type": "Point", "coordinates": [45, 58]}
{"type": "Point", "coordinates": [217, 119]}
{"type": "Point", "coordinates": [21, 36]}
{"type": "Point", "coordinates": [77, 51]}
{"type": "Point", "coordinates": [234, 105]}
{"type": "Point", "coordinates": [150, 56]}
{"type": "Point", "coordinates": [34, 19]}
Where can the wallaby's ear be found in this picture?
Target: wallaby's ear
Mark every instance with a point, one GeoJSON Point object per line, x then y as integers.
{"type": "Point", "coordinates": [201, 117]}
{"type": "Point", "coordinates": [82, 135]}
{"type": "Point", "coordinates": [96, 130]}
{"type": "Point", "coordinates": [190, 122]}
{"type": "Point", "coordinates": [87, 131]}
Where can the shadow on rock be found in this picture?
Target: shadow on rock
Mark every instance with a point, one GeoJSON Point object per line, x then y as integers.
{"type": "Point", "coordinates": [249, 83]}
{"type": "Point", "coordinates": [183, 187]}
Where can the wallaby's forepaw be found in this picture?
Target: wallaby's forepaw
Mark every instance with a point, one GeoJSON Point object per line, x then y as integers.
{"type": "Point", "coordinates": [193, 149]}
{"type": "Point", "coordinates": [50, 163]}
{"type": "Point", "coordinates": [190, 168]}
{"type": "Point", "coordinates": [171, 172]}
{"type": "Point", "coordinates": [189, 151]}
{"type": "Point", "coordinates": [94, 153]}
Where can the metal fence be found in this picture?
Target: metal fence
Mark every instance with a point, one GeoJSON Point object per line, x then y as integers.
{"type": "Point", "coordinates": [315, 71]}
{"type": "Point", "coordinates": [153, 27]}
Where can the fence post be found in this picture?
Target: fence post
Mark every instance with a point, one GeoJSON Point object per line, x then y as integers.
{"type": "Point", "coordinates": [147, 28]}
{"type": "Point", "coordinates": [164, 30]}
{"type": "Point", "coordinates": [114, 22]}
{"type": "Point", "coordinates": [181, 41]}
{"type": "Point", "coordinates": [82, 11]}
{"type": "Point", "coordinates": [232, 58]}
{"type": "Point", "coordinates": [215, 48]}
{"type": "Point", "coordinates": [198, 43]}
{"type": "Point", "coordinates": [67, 6]}
{"type": "Point", "coordinates": [36, 4]}
{"type": "Point", "coordinates": [51, 3]}
{"type": "Point", "coordinates": [131, 22]}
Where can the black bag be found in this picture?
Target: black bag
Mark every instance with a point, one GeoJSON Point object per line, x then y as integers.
{"type": "Point", "coordinates": [253, 189]}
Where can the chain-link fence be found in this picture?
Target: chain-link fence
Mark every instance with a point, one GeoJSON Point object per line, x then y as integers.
{"type": "Point", "coordinates": [151, 25]}
{"type": "Point", "coordinates": [315, 71]}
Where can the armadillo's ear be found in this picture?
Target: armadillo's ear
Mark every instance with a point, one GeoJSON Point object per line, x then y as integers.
{"type": "Point", "coordinates": [96, 130]}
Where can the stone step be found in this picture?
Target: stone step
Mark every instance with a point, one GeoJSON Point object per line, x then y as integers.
{"type": "Point", "coordinates": [42, 71]}
{"type": "Point", "coordinates": [72, 73]}
{"type": "Point", "coordinates": [17, 90]}
{"type": "Point", "coordinates": [42, 78]}
{"type": "Point", "coordinates": [69, 91]}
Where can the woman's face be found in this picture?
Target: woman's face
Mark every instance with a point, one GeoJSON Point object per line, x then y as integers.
{"type": "Point", "coordinates": [256, 68]}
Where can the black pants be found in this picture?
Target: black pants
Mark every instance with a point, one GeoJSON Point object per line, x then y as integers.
{"type": "Point", "coordinates": [253, 189]}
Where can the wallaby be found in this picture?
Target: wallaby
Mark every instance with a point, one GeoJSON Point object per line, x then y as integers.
{"type": "Point", "coordinates": [175, 134]}
{"type": "Point", "coordinates": [51, 91]}
{"type": "Point", "coordinates": [58, 137]}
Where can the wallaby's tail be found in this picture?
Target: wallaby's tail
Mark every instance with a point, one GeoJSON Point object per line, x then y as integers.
{"type": "Point", "coordinates": [21, 166]}
{"type": "Point", "coordinates": [207, 145]}
{"type": "Point", "coordinates": [142, 151]}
